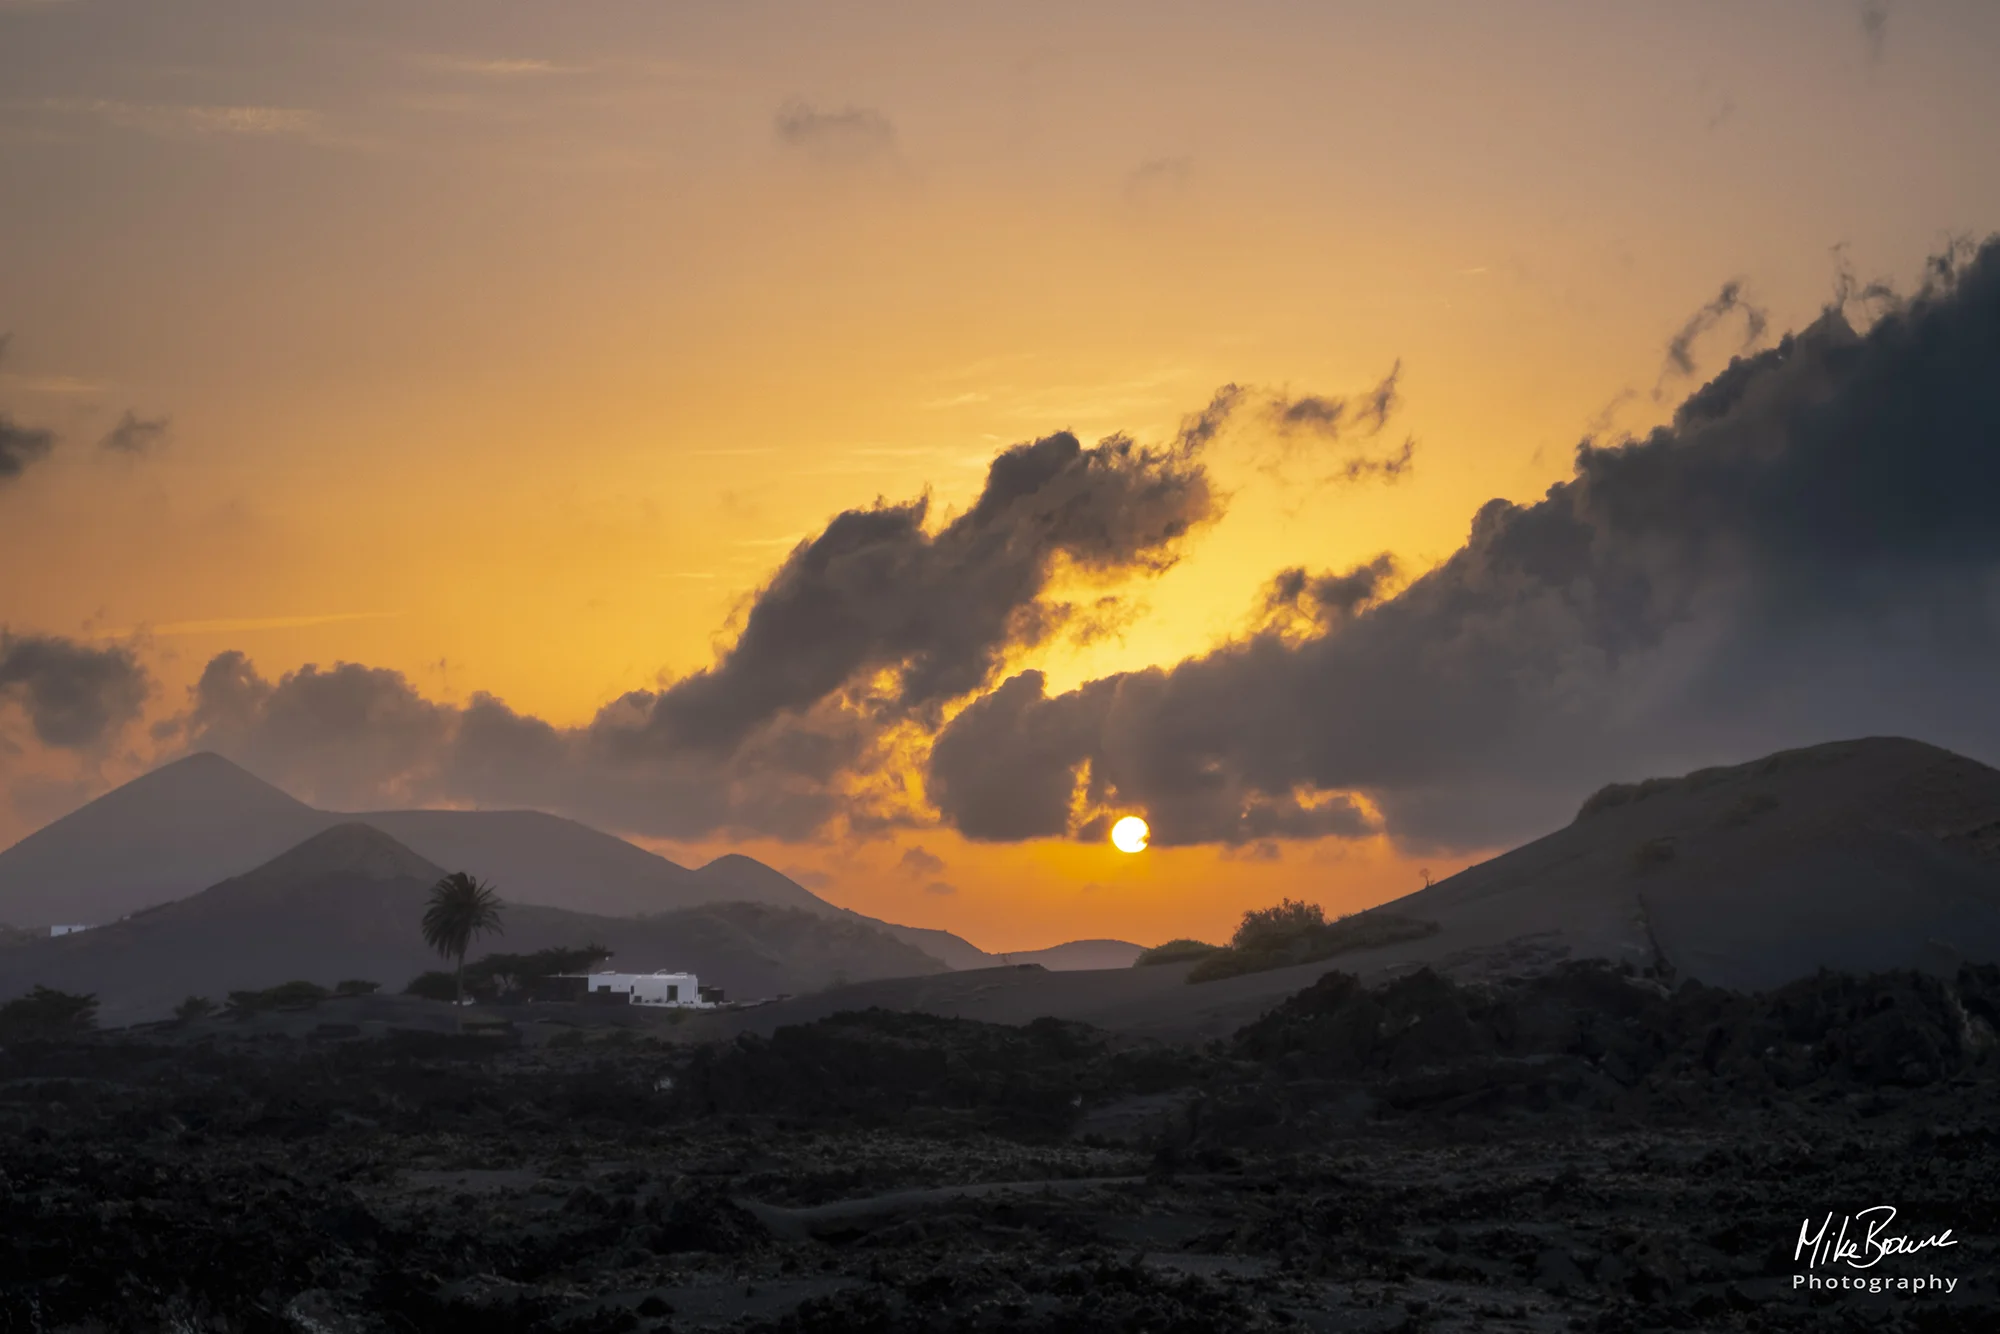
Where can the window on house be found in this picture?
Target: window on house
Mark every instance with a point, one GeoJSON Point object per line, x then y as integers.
{"type": "Point", "coordinates": [674, 991]}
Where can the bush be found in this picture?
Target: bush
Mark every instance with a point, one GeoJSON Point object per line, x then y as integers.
{"type": "Point", "coordinates": [1295, 932]}
{"type": "Point", "coordinates": [1175, 951]}
{"type": "Point", "coordinates": [500, 976]}
{"type": "Point", "coordinates": [193, 1008]}
{"type": "Point", "coordinates": [354, 986]}
{"type": "Point", "coordinates": [1278, 928]}
{"type": "Point", "coordinates": [433, 986]}
{"type": "Point", "coordinates": [284, 996]}
{"type": "Point", "coordinates": [46, 1013]}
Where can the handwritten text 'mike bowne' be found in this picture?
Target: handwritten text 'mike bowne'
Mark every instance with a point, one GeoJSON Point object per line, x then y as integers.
{"type": "Point", "coordinates": [1872, 1243]}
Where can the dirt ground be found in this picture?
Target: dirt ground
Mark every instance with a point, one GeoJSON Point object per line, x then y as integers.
{"type": "Point", "coordinates": [1584, 1151]}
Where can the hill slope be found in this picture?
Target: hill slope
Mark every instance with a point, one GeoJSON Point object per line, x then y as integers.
{"type": "Point", "coordinates": [162, 836]}
{"type": "Point", "coordinates": [1861, 855]}
{"type": "Point", "coordinates": [190, 824]}
{"type": "Point", "coordinates": [346, 903]}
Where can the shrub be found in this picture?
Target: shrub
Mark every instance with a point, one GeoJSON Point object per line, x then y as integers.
{"type": "Point", "coordinates": [1175, 951]}
{"type": "Point", "coordinates": [284, 996]}
{"type": "Point", "coordinates": [1295, 932]}
{"type": "Point", "coordinates": [1279, 927]}
{"type": "Point", "coordinates": [193, 1008]}
{"type": "Point", "coordinates": [1654, 852]}
{"type": "Point", "coordinates": [354, 986]}
{"type": "Point", "coordinates": [433, 986]}
{"type": "Point", "coordinates": [47, 1013]}
{"type": "Point", "coordinates": [498, 976]}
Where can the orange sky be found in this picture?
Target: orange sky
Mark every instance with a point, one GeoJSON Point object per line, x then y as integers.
{"type": "Point", "coordinates": [511, 346]}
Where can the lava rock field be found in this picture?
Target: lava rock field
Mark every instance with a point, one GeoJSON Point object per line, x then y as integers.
{"type": "Point", "coordinates": [1585, 1150]}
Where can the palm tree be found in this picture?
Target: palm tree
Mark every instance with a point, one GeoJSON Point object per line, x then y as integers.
{"type": "Point", "coordinates": [460, 908]}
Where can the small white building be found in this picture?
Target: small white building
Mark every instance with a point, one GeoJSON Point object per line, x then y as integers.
{"type": "Point", "coordinates": [678, 990]}
{"type": "Point", "coordinates": [68, 930]}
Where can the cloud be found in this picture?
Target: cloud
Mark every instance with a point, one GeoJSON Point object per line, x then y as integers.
{"type": "Point", "coordinates": [1680, 348]}
{"type": "Point", "coordinates": [940, 887]}
{"type": "Point", "coordinates": [1157, 180]}
{"type": "Point", "coordinates": [919, 862]}
{"type": "Point", "coordinates": [1875, 29]}
{"type": "Point", "coordinates": [844, 660]}
{"type": "Point", "coordinates": [931, 615]}
{"type": "Point", "coordinates": [167, 120]}
{"type": "Point", "coordinates": [852, 136]}
{"type": "Point", "coordinates": [19, 445]}
{"type": "Point", "coordinates": [76, 697]}
{"type": "Point", "coordinates": [1807, 551]}
{"type": "Point", "coordinates": [135, 435]}
{"type": "Point", "coordinates": [1328, 416]}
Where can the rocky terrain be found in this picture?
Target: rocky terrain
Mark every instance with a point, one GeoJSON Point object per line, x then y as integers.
{"type": "Point", "coordinates": [1590, 1149]}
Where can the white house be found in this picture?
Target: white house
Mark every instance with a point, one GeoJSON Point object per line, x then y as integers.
{"type": "Point", "coordinates": [67, 930]}
{"type": "Point", "coordinates": [679, 990]}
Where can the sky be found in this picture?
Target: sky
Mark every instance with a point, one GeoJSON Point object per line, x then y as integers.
{"type": "Point", "coordinates": [896, 440]}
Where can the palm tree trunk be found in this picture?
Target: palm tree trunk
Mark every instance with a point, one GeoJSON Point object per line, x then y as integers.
{"type": "Point", "coordinates": [458, 1010]}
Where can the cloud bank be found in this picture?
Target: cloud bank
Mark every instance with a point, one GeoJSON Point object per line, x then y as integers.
{"type": "Point", "coordinates": [1810, 549]}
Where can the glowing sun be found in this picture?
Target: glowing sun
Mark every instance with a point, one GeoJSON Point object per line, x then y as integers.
{"type": "Point", "coordinates": [1130, 834]}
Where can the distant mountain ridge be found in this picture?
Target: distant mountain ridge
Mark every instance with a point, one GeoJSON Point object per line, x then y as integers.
{"type": "Point", "coordinates": [203, 819]}
{"type": "Point", "coordinates": [347, 902]}
{"type": "Point", "coordinates": [189, 824]}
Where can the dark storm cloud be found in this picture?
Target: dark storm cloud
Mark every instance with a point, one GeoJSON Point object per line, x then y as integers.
{"type": "Point", "coordinates": [875, 593]}
{"type": "Point", "coordinates": [1811, 549]}
{"type": "Point", "coordinates": [920, 862]}
{"type": "Point", "coordinates": [863, 634]}
{"type": "Point", "coordinates": [851, 135]}
{"type": "Point", "coordinates": [356, 738]}
{"type": "Point", "coordinates": [135, 435]}
{"type": "Point", "coordinates": [75, 696]}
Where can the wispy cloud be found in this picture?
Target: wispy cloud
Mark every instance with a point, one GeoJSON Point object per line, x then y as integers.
{"type": "Point", "coordinates": [168, 120]}
{"type": "Point", "coordinates": [135, 434]}
{"type": "Point", "coordinates": [501, 67]}
{"type": "Point", "coordinates": [52, 384]}
{"type": "Point", "coordinates": [849, 137]}
{"type": "Point", "coordinates": [229, 625]}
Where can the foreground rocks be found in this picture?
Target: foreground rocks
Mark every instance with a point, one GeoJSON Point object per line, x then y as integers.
{"type": "Point", "coordinates": [1580, 1151]}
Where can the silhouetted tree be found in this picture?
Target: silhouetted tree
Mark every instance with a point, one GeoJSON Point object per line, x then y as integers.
{"type": "Point", "coordinates": [460, 909]}
{"type": "Point", "coordinates": [47, 1014]}
{"type": "Point", "coordinates": [193, 1008]}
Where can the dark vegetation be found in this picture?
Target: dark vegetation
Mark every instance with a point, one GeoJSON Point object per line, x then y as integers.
{"type": "Point", "coordinates": [1175, 951]}
{"type": "Point", "coordinates": [1293, 932]}
{"type": "Point", "coordinates": [284, 996]}
{"type": "Point", "coordinates": [461, 909]}
{"type": "Point", "coordinates": [1585, 1150]}
{"type": "Point", "coordinates": [499, 977]}
{"type": "Point", "coordinates": [46, 1013]}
